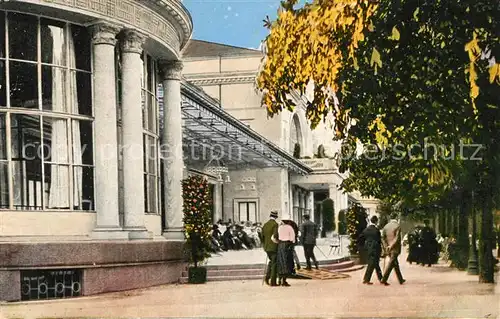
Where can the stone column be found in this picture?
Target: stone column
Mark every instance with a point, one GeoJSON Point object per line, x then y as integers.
{"type": "Point", "coordinates": [171, 148]}
{"type": "Point", "coordinates": [217, 202]}
{"type": "Point", "coordinates": [132, 136]}
{"type": "Point", "coordinates": [105, 132]}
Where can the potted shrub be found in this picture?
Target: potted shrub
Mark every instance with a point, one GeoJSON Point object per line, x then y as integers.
{"type": "Point", "coordinates": [328, 217]}
{"type": "Point", "coordinates": [197, 226]}
{"type": "Point", "coordinates": [342, 222]}
{"type": "Point", "coordinates": [356, 222]}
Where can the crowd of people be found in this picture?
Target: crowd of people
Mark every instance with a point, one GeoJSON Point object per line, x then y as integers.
{"type": "Point", "coordinates": [231, 236]}
{"type": "Point", "coordinates": [423, 245]}
{"type": "Point", "coordinates": [279, 243]}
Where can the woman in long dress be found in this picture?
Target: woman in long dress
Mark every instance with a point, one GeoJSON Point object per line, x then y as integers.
{"type": "Point", "coordinates": [286, 240]}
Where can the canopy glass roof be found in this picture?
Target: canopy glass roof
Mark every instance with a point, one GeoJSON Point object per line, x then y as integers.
{"type": "Point", "coordinates": [211, 135]}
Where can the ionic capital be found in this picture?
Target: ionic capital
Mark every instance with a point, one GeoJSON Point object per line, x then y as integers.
{"type": "Point", "coordinates": [104, 33]}
{"type": "Point", "coordinates": [132, 41]}
{"type": "Point", "coordinates": [170, 70]}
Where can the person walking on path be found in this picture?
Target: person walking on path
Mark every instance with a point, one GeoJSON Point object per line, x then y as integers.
{"type": "Point", "coordinates": [286, 241]}
{"type": "Point", "coordinates": [373, 245]}
{"type": "Point", "coordinates": [296, 230]}
{"type": "Point", "coordinates": [308, 234]}
{"type": "Point", "coordinates": [391, 235]}
{"type": "Point", "coordinates": [269, 230]}
{"type": "Point", "coordinates": [430, 253]}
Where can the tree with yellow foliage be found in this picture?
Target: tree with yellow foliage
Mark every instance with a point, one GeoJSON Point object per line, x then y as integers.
{"type": "Point", "coordinates": [398, 72]}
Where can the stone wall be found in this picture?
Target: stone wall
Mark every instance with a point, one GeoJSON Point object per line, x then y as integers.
{"type": "Point", "coordinates": [263, 186]}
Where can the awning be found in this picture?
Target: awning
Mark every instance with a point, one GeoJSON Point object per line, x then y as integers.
{"type": "Point", "coordinates": [210, 132]}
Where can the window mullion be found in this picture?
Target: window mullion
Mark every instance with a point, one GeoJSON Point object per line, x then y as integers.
{"type": "Point", "coordinates": [40, 107]}
{"type": "Point", "coordinates": [69, 122]}
{"type": "Point", "coordinates": [8, 137]}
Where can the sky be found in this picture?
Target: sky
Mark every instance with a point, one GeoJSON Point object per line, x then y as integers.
{"type": "Point", "coordinates": [233, 22]}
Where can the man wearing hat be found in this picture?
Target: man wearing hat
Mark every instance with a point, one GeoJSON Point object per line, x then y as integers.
{"type": "Point", "coordinates": [308, 235]}
{"type": "Point", "coordinates": [269, 230]}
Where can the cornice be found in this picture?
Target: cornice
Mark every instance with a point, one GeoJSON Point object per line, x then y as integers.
{"type": "Point", "coordinates": [179, 12]}
{"type": "Point", "coordinates": [222, 78]}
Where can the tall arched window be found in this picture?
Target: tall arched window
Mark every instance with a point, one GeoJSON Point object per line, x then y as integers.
{"type": "Point", "coordinates": [295, 133]}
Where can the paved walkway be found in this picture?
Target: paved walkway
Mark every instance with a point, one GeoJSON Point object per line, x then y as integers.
{"type": "Point", "coordinates": [429, 292]}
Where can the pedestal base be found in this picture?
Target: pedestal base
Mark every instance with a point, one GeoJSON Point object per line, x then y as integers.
{"type": "Point", "coordinates": [142, 233]}
{"type": "Point", "coordinates": [108, 233]}
{"type": "Point", "coordinates": [176, 234]}
{"type": "Point", "coordinates": [472, 267]}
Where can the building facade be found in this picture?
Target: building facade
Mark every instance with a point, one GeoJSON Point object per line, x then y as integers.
{"type": "Point", "coordinates": [98, 126]}
{"type": "Point", "coordinates": [228, 74]}
{"type": "Point", "coordinates": [79, 144]}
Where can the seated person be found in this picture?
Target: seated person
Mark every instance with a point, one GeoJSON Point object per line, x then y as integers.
{"type": "Point", "coordinates": [227, 239]}
{"type": "Point", "coordinates": [243, 237]}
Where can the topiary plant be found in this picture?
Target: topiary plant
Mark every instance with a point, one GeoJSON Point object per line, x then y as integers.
{"type": "Point", "coordinates": [328, 213]}
{"type": "Point", "coordinates": [356, 222]}
{"type": "Point", "coordinates": [197, 224]}
{"type": "Point", "coordinates": [342, 222]}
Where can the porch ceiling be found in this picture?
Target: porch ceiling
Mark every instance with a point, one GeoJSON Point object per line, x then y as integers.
{"type": "Point", "coordinates": [211, 133]}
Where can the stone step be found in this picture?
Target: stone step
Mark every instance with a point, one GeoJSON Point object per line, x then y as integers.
{"type": "Point", "coordinates": [230, 272]}
{"type": "Point", "coordinates": [261, 265]}
{"type": "Point", "coordinates": [184, 280]}
{"type": "Point", "coordinates": [254, 272]}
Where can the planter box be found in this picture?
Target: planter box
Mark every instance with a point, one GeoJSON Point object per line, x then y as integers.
{"type": "Point", "coordinates": [197, 275]}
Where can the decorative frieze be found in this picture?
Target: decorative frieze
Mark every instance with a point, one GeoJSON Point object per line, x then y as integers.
{"type": "Point", "coordinates": [223, 80]}
{"type": "Point", "coordinates": [151, 18]}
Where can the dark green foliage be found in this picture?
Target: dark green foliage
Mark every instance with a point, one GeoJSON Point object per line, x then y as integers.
{"type": "Point", "coordinates": [328, 212]}
{"type": "Point", "coordinates": [356, 222]}
{"type": "Point", "coordinates": [197, 275]}
{"type": "Point", "coordinates": [197, 221]}
{"type": "Point", "coordinates": [384, 211]}
{"type": "Point", "coordinates": [342, 222]}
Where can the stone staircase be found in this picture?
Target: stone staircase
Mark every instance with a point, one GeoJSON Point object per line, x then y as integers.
{"type": "Point", "coordinates": [256, 271]}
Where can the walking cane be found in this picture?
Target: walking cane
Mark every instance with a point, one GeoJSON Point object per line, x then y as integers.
{"type": "Point", "coordinates": [265, 271]}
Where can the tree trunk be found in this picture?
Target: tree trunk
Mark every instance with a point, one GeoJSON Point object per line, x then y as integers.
{"type": "Point", "coordinates": [463, 231]}
{"type": "Point", "coordinates": [486, 264]}
{"type": "Point", "coordinates": [442, 223]}
{"type": "Point", "coordinates": [472, 264]}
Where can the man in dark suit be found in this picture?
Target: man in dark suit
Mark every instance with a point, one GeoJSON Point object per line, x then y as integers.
{"type": "Point", "coordinates": [308, 234]}
{"type": "Point", "coordinates": [391, 236]}
{"type": "Point", "coordinates": [373, 246]}
{"type": "Point", "coordinates": [271, 248]}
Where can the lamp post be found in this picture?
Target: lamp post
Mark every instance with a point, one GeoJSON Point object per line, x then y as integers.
{"type": "Point", "coordinates": [472, 263]}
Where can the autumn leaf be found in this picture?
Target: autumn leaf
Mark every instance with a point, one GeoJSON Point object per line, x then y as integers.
{"type": "Point", "coordinates": [395, 34]}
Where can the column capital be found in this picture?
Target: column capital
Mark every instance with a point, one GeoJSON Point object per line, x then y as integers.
{"type": "Point", "coordinates": [132, 41]}
{"type": "Point", "coordinates": [104, 33]}
{"type": "Point", "coordinates": [170, 69]}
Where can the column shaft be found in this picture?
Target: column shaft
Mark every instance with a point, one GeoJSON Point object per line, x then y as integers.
{"type": "Point", "coordinates": [105, 132]}
{"type": "Point", "coordinates": [172, 155]}
{"type": "Point", "coordinates": [132, 136]}
{"type": "Point", "coordinates": [218, 202]}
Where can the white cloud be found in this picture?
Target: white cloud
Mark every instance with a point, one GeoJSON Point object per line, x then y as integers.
{"type": "Point", "coordinates": [229, 8]}
{"type": "Point", "coordinates": [226, 16]}
{"type": "Point", "coordinates": [236, 14]}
